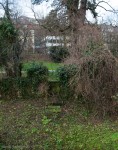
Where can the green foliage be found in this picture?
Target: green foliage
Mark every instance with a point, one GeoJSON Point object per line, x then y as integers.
{"type": "Point", "coordinates": [22, 87]}
{"type": "Point", "coordinates": [58, 53]}
{"type": "Point", "coordinates": [45, 120]}
{"type": "Point", "coordinates": [29, 86]}
{"type": "Point", "coordinates": [10, 47]}
{"type": "Point", "coordinates": [38, 72]}
{"type": "Point", "coordinates": [49, 65]}
{"type": "Point", "coordinates": [1, 146]}
{"type": "Point", "coordinates": [7, 35]}
{"type": "Point", "coordinates": [7, 31]}
{"type": "Point", "coordinates": [66, 72]}
{"type": "Point", "coordinates": [15, 88]}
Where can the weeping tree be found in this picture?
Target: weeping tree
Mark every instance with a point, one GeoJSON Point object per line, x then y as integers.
{"type": "Point", "coordinates": [11, 44]}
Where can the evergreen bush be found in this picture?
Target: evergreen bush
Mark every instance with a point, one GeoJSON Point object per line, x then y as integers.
{"type": "Point", "coordinates": [65, 74]}
{"type": "Point", "coordinates": [58, 53]}
{"type": "Point", "coordinates": [38, 72]}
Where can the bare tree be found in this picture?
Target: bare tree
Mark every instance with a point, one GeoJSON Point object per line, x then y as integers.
{"type": "Point", "coordinates": [75, 11]}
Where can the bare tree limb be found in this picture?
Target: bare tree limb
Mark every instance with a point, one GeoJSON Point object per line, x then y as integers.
{"type": "Point", "coordinates": [112, 9]}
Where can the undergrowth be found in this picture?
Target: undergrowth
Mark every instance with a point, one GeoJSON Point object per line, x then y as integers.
{"type": "Point", "coordinates": [32, 125]}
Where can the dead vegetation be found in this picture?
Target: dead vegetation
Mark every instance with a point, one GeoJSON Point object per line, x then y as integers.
{"type": "Point", "coordinates": [97, 77]}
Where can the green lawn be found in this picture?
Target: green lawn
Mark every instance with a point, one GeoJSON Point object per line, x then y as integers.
{"type": "Point", "coordinates": [49, 65]}
{"type": "Point", "coordinates": [34, 125]}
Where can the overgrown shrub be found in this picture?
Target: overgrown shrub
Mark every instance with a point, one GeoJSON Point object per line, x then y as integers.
{"type": "Point", "coordinates": [97, 81]}
{"type": "Point", "coordinates": [35, 84]}
{"type": "Point", "coordinates": [13, 88]}
{"type": "Point", "coordinates": [66, 72]}
{"type": "Point", "coordinates": [58, 53]}
{"type": "Point", "coordinates": [38, 74]}
{"type": "Point", "coordinates": [22, 87]}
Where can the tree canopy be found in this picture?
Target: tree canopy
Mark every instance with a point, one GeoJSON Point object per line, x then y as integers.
{"type": "Point", "coordinates": [74, 5]}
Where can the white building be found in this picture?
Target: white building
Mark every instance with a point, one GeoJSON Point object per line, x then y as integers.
{"type": "Point", "coordinates": [56, 41]}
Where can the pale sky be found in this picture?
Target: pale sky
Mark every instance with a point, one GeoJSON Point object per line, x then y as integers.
{"type": "Point", "coordinates": [43, 10]}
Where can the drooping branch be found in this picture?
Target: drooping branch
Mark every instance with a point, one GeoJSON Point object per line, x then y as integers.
{"type": "Point", "coordinates": [98, 5]}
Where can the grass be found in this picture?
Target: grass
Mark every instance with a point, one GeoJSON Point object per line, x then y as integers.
{"type": "Point", "coordinates": [49, 65]}
{"type": "Point", "coordinates": [52, 67]}
{"type": "Point", "coordinates": [34, 125]}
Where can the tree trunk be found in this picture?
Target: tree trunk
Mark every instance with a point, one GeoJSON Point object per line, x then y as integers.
{"type": "Point", "coordinates": [77, 18]}
{"type": "Point", "coordinates": [17, 69]}
{"type": "Point", "coordinates": [17, 66]}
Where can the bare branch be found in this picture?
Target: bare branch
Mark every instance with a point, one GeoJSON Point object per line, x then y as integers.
{"type": "Point", "coordinates": [2, 5]}
{"type": "Point", "coordinates": [112, 9]}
